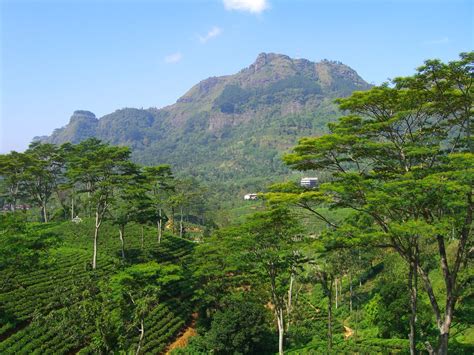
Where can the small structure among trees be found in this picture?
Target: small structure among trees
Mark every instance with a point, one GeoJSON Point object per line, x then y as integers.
{"type": "Point", "coordinates": [309, 182]}
{"type": "Point", "coordinates": [251, 196]}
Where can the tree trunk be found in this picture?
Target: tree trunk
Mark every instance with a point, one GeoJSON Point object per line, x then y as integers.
{"type": "Point", "coordinates": [279, 306]}
{"type": "Point", "coordinates": [413, 286]}
{"type": "Point", "coordinates": [72, 208]}
{"type": "Point", "coordinates": [281, 330]}
{"type": "Point", "coordinates": [350, 291]}
{"type": "Point", "coordinates": [142, 236]}
{"type": "Point", "coordinates": [172, 221]}
{"type": "Point", "coordinates": [444, 323]}
{"type": "Point", "coordinates": [337, 293]}
{"type": "Point", "coordinates": [290, 299]}
{"type": "Point", "coordinates": [445, 326]}
{"type": "Point", "coordinates": [331, 282]}
{"type": "Point", "coordinates": [443, 342]}
{"type": "Point", "coordinates": [413, 296]}
{"type": "Point", "coordinates": [89, 209]}
{"type": "Point", "coordinates": [96, 236]}
{"type": "Point", "coordinates": [142, 335]}
{"type": "Point", "coordinates": [122, 242]}
{"type": "Point", "coordinates": [45, 212]}
{"type": "Point", "coordinates": [181, 223]}
{"type": "Point", "coordinates": [13, 205]}
{"type": "Point", "coordinates": [159, 227]}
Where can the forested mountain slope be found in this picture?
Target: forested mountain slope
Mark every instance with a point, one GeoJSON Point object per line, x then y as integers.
{"type": "Point", "coordinates": [235, 127]}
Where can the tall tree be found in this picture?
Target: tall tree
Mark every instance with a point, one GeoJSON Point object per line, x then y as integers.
{"type": "Point", "coordinates": [99, 170]}
{"type": "Point", "coordinates": [41, 177]}
{"type": "Point", "coordinates": [160, 184]}
{"type": "Point", "coordinates": [12, 169]}
{"type": "Point", "coordinates": [402, 161]}
{"type": "Point", "coordinates": [189, 199]}
{"type": "Point", "coordinates": [130, 202]}
{"type": "Point", "coordinates": [269, 244]}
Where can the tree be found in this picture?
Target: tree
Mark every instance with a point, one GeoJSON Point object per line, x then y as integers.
{"type": "Point", "coordinates": [186, 193]}
{"type": "Point", "coordinates": [160, 184]}
{"type": "Point", "coordinates": [99, 170]}
{"type": "Point", "coordinates": [138, 289]}
{"type": "Point", "coordinates": [325, 272]}
{"type": "Point", "coordinates": [240, 327]}
{"type": "Point", "coordinates": [269, 244]}
{"type": "Point", "coordinates": [12, 168]}
{"type": "Point", "coordinates": [219, 269]}
{"type": "Point", "coordinates": [131, 202]}
{"type": "Point", "coordinates": [403, 162]}
{"type": "Point", "coordinates": [44, 167]}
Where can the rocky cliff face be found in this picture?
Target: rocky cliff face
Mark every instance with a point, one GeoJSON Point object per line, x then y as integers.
{"type": "Point", "coordinates": [82, 125]}
{"type": "Point", "coordinates": [232, 126]}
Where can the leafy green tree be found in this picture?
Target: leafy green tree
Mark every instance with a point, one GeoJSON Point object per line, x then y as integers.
{"type": "Point", "coordinates": [12, 169]}
{"type": "Point", "coordinates": [99, 170]}
{"type": "Point", "coordinates": [262, 254]}
{"type": "Point", "coordinates": [389, 309]}
{"type": "Point", "coordinates": [41, 176]}
{"type": "Point", "coordinates": [138, 289]}
{"type": "Point", "coordinates": [160, 185]}
{"type": "Point", "coordinates": [240, 327]}
{"type": "Point", "coordinates": [219, 269]}
{"type": "Point", "coordinates": [402, 161]}
{"type": "Point", "coordinates": [269, 245]}
{"type": "Point", "coordinates": [131, 202]}
{"type": "Point", "coordinates": [187, 197]}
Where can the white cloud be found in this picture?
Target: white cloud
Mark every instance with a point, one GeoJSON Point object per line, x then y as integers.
{"type": "Point", "coordinates": [441, 40]}
{"type": "Point", "coordinates": [212, 33]}
{"type": "Point", "coordinates": [173, 58]}
{"type": "Point", "coordinates": [253, 6]}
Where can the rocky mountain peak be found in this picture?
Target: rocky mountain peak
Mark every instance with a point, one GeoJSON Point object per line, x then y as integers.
{"type": "Point", "coordinates": [83, 116]}
{"type": "Point", "coordinates": [266, 58]}
{"type": "Point", "coordinates": [220, 121]}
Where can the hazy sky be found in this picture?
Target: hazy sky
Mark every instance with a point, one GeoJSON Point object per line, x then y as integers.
{"type": "Point", "coordinates": [61, 56]}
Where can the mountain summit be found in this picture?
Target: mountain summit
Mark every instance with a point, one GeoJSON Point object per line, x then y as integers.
{"type": "Point", "coordinates": [228, 127]}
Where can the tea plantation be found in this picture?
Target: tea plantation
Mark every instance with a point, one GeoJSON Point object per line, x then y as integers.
{"type": "Point", "coordinates": [62, 306]}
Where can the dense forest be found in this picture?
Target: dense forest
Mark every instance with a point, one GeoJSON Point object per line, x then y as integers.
{"type": "Point", "coordinates": [99, 254]}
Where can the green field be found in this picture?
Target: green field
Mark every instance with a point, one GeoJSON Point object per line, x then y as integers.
{"type": "Point", "coordinates": [50, 309]}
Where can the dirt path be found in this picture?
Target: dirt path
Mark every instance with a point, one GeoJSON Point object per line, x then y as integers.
{"type": "Point", "coordinates": [182, 340]}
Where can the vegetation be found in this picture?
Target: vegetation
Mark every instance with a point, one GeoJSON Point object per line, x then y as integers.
{"type": "Point", "coordinates": [101, 255]}
{"type": "Point", "coordinates": [76, 304]}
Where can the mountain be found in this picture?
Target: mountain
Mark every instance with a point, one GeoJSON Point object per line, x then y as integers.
{"type": "Point", "coordinates": [232, 127]}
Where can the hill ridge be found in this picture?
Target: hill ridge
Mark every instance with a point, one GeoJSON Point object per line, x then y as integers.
{"type": "Point", "coordinates": [234, 126]}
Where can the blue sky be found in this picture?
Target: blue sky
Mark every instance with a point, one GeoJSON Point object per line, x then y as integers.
{"type": "Point", "coordinates": [103, 55]}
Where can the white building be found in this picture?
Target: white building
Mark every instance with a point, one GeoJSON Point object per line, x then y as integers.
{"type": "Point", "coordinates": [309, 182]}
{"type": "Point", "coordinates": [252, 196]}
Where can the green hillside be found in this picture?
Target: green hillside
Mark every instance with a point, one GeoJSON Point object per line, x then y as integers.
{"type": "Point", "coordinates": [60, 305]}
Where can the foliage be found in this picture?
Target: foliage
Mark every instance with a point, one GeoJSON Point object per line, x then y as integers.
{"type": "Point", "coordinates": [240, 327]}
{"type": "Point", "coordinates": [380, 249]}
{"type": "Point", "coordinates": [21, 247]}
{"type": "Point", "coordinates": [63, 306]}
{"type": "Point", "coordinates": [402, 160]}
